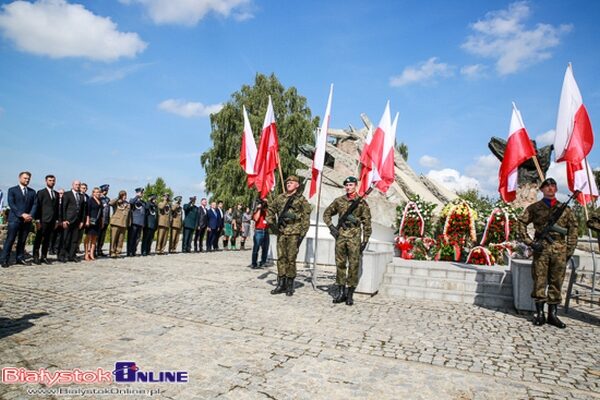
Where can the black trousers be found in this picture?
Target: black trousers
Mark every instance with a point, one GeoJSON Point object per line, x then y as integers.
{"type": "Point", "coordinates": [16, 231]}
{"type": "Point", "coordinates": [101, 237]}
{"type": "Point", "coordinates": [147, 238]}
{"type": "Point", "coordinates": [70, 241]}
{"type": "Point", "coordinates": [133, 236]}
{"type": "Point", "coordinates": [56, 241]}
{"type": "Point", "coordinates": [212, 240]}
{"type": "Point", "coordinates": [42, 238]}
{"type": "Point", "coordinates": [199, 238]}
{"type": "Point", "coordinates": [188, 235]}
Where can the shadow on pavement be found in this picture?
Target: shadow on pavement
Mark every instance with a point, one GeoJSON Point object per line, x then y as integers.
{"type": "Point", "coordinates": [9, 326]}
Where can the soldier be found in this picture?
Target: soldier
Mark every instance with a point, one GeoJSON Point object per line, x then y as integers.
{"type": "Point", "coordinates": [164, 222]}
{"type": "Point", "coordinates": [138, 215]}
{"type": "Point", "coordinates": [150, 225]}
{"type": "Point", "coordinates": [119, 222]}
{"type": "Point", "coordinates": [105, 219]}
{"type": "Point", "coordinates": [594, 223]}
{"type": "Point", "coordinates": [348, 244]}
{"type": "Point", "coordinates": [290, 213]}
{"type": "Point", "coordinates": [190, 222]}
{"type": "Point", "coordinates": [176, 224]}
{"type": "Point", "coordinates": [549, 259]}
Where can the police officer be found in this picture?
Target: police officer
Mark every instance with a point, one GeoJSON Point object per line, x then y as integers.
{"type": "Point", "coordinates": [138, 216]}
{"type": "Point", "coordinates": [104, 200]}
{"type": "Point", "coordinates": [549, 259]}
{"type": "Point", "coordinates": [150, 225]}
{"type": "Point", "coordinates": [351, 238]}
{"type": "Point", "coordinates": [176, 224]}
{"type": "Point", "coordinates": [190, 222]}
{"type": "Point", "coordinates": [164, 222]}
{"type": "Point", "coordinates": [290, 213]}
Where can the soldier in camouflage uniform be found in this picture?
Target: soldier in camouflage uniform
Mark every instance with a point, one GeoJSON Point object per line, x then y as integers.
{"type": "Point", "coordinates": [348, 244]}
{"type": "Point", "coordinates": [549, 259]}
{"type": "Point", "coordinates": [594, 221]}
{"type": "Point", "coordinates": [290, 213]}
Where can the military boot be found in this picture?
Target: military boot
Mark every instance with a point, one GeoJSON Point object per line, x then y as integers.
{"type": "Point", "coordinates": [349, 293]}
{"type": "Point", "coordinates": [280, 288]}
{"type": "Point", "coordinates": [290, 287]}
{"type": "Point", "coordinates": [341, 294]}
{"type": "Point", "coordinates": [553, 318]}
{"type": "Point", "coordinates": [539, 318]}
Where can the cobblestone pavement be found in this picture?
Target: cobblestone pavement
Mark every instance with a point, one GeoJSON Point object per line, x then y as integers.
{"type": "Point", "coordinates": [210, 315]}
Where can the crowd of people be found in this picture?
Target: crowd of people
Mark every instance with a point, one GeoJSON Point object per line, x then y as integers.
{"type": "Point", "coordinates": [63, 220]}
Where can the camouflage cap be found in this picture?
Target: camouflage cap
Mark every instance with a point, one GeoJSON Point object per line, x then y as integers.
{"type": "Point", "coordinates": [292, 178]}
{"type": "Point", "coordinates": [350, 179]}
{"type": "Point", "coordinates": [548, 181]}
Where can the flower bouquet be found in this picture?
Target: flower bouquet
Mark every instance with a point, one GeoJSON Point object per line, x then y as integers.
{"type": "Point", "coordinates": [479, 255]}
{"type": "Point", "coordinates": [459, 220]}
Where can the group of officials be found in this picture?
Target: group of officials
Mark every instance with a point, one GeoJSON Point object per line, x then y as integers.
{"type": "Point", "coordinates": [68, 214]}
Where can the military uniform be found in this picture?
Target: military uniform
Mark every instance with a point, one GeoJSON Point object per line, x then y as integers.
{"type": "Point", "coordinates": [105, 220]}
{"type": "Point", "coordinates": [594, 221]}
{"type": "Point", "coordinates": [292, 227]}
{"type": "Point", "coordinates": [164, 222]}
{"type": "Point", "coordinates": [550, 261]}
{"type": "Point", "coordinates": [150, 225]}
{"type": "Point", "coordinates": [355, 231]}
{"type": "Point", "coordinates": [176, 224]}
{"type": "Point", "coordinates": [190, 223]}
{"type": "Point", "coordinates": [119, 222]}
{"type": "Point", "coordinates": [138, 217]}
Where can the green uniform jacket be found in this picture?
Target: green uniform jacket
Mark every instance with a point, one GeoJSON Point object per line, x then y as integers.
{"type": "Point", "coordinates": [164, 214]}
{"type": "Point", "coordinates": [538, 213]}
{"type": "Point", "coordinates": [298, 218]}
{"type": "Point", "coordinates": [176, 221]}
{"type": "Point", "coordinates": [361, 216]}
{"type": "Point", "coordinates": [594, 221]}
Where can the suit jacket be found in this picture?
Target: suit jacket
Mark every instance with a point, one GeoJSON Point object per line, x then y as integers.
{"type": "Point", "coordinates": [221, 218]}
{"type": "Point", "coordinates": [72, 211]}
{"type": "Point", "coordinates": [21, 204]}
{"type": "Point", "coordinates": [202, 217]}
{"type": "Point", "coordinates": [214, 218]}
{"type": "Point", "coordinates": [47, 208]}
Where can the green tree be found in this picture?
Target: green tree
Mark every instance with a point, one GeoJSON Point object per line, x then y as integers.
{"type": "Point", "coordinates": [225, 179]}
{"type": "Point", "coordinates": [403, 150]}
{"type": "Point", "coordinates": [158, 188]}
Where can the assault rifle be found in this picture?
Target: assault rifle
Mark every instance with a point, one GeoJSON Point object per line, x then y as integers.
{"type": "Point", "coordinates": [544, 236]}
{"type": "Point", "coordinates": [283, 218]}
{"type": "Point", "coordinates": [335, 232]}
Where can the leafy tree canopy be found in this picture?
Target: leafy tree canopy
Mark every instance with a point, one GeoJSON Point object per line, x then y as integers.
{"type": "Point", "coordinates": [158, 188]}
{"type": "Point", "coordinates": [225, 179]}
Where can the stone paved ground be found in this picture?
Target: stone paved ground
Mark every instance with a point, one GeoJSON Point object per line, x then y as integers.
{"type": "Point", "coordinates": [211, 315]}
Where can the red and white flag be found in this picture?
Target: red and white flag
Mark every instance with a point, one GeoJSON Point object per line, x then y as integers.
{"type": "Point", "coordinates": [574, 139]}
{"type": "Point", "coordinates": [267, 158]}
{"type": "Point", "coordinates": [518, 150]}
{"type": "Point", "coordinates": [248, 150]}
{"type": "Point", "coordinates": [372, 155]}
{"type": "Point", "coordinates": [319, 159]}
{"type": "Point", "coordinates": [387, 168]}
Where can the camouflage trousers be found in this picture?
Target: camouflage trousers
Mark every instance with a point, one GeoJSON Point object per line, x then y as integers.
{"type": "Point", "coordinates": [347, 252]}
{"type": "Point", "coordinates": [548, 269]}
{"type": "Point", "coordinates": [287, 251]}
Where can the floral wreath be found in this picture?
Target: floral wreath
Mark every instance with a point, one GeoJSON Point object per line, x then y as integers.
{"type": "Point", "coordinates": [411, 205]}
{"type": "Point", "coordinates": [481, 256]}
{"type": "Point", "coordinates": [459, 208]}
{"type": "Point", "coordinates": [490, 219]}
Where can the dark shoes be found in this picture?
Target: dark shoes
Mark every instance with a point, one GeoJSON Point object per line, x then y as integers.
{"type": "Point", "coordinates": [4, 264]}
{"type": "Point", "coordinates": [280, 288]}
{"type": "Point", "coordinates": [349, 299]}
{"type": "Point", "coordinates": [553, 318]}
{"type": "Point", "coordinates": [341, 294]}
{"type": "Point", "coordinates": [22, 262]}
{"type": "Point", "coordinates": [290, 287]}
{"type": "Point", "coordinates": [539, 318]}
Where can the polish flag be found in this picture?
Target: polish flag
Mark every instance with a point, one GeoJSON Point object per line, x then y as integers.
{"type": "Point", "coordinates": [248, 150]}
{"type": "Point", "coordinates": [387, 169]}
{"type": "Point", "coordinates": [372, 155]}
{"type": "Point", "coordinates": [518, 150]}
{"type": "Point", "coordinates": [574, 137]}
{"type": "Point", "coordinates": [319, 159]}
{"type": "Point", "coordinates": [577, 178]}
{"type": "Point", "coordinates": [267, 158]}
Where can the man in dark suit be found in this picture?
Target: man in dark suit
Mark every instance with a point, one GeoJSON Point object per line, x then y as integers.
{"type": "Point", "coordinates": [56, 241]}
{"type": "Point", "coordinates": [72, 221]}
{"type": "Point", "coordinates": [46, 218]}
{"type": "Point", "coordinates": [83, 188]}
{"type": "Point", "coordinates": [22, 203]}
{"type": "Point", "coordinates": [213, 226]}
{"type": "Point", "coordinates": [202, 223]}
{"type": "Point", "coordinates": [221, 225]}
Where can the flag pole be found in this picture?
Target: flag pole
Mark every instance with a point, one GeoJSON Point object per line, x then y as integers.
{"type": "Point", "coordinates": [313, 278]}
{"type": "Point", "coordinates": [281, 178]}
{"type": "Point", "coordinates": [587, 217]}
{"type": "Point", "coordinates": [534, 158]}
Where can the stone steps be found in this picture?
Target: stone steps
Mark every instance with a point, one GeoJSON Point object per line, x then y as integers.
{"type": "Point", "coordinates": [446, 281]}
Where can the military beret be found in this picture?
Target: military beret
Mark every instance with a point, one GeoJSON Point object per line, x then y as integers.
{"type": "Point", "coordinates": [293, 178]}
{"type": "Point", "coordinates": [177, 198]}
{"type": "Point", "coordinates": [104, 187]}
{"type": "Point", "coordinates": [350, 179]}
{"type": "Point", "coordinates": [139, 190]}
{"type": "Point", "coordinates": [548, 181]}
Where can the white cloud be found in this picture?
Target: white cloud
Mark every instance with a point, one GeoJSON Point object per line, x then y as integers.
{"type": "Point", "coordinates": [424, 72]}
{"type": "Point", "coordinates": [58, 29]}
{"type": "Point", "coordinates": [453, 180]}
{"type": "Point", "coordinates": [474, 71]}
{"type": "Point", "coordinates": [190, 12]}
{"type": "Point", "coordinates": [116, 74]}
{"type": "Point", "coordinates": [545, 138]}
{"type": "Point", "coordinates": [501, 35]}
{"type": "Point", "coordinates": [189, 109]}
{"type": "Point", "coordinates": [485, 170]}
{"type": "Point", "coordinates": [428, 161]}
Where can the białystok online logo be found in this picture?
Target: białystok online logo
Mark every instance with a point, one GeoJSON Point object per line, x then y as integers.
{"type": "Point", "coordinates": [124, 372]}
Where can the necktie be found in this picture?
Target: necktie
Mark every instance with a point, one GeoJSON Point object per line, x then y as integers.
{"type": "Point", "coordinates": [51, 195]}
{"type": "Point", "coordinates": [24, 192]}
{"type": "Point", "coordinates": [77, 198]}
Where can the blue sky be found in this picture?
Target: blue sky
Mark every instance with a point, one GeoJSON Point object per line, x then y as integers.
{"type": "Point", "coordinates": [119, 91]}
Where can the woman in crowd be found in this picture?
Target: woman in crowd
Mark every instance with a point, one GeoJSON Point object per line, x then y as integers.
{"type": "Point", "coordinates": [228, 232]}
{"type": "Point", "coordinates": [93, 224]}
{"type": "Point", "coordinates": [246, 220]}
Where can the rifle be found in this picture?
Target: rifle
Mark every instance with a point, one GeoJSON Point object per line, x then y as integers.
{"type": "Point", "coordinates": [544, 236]}
{"type": "Point", "coordinates": [342, 220]}
{"type": "Point", "coordinates": [281, 218]}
